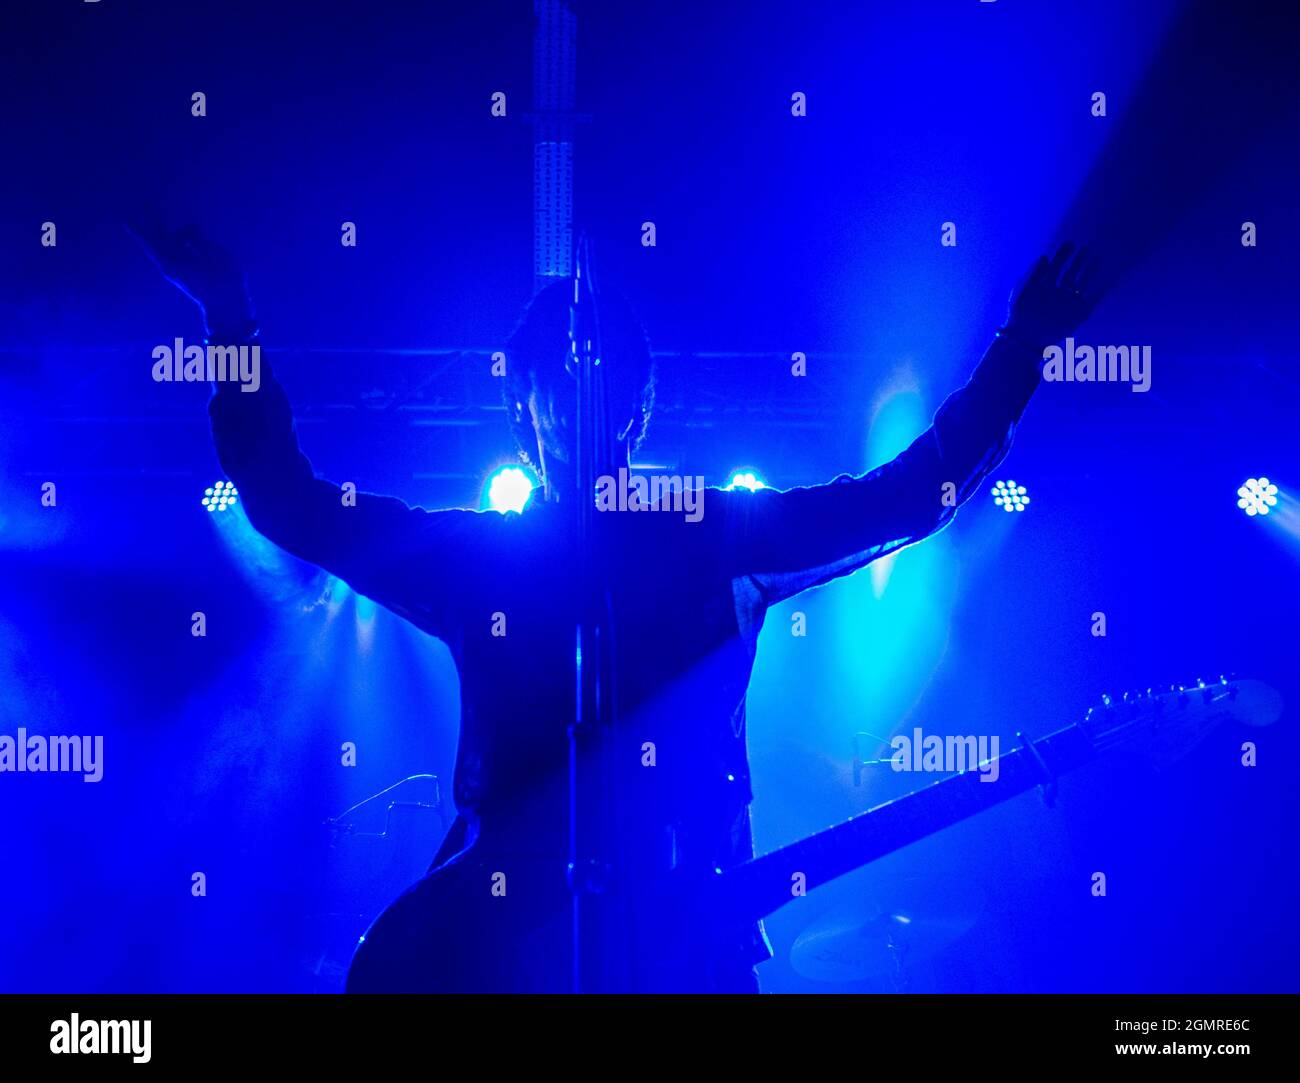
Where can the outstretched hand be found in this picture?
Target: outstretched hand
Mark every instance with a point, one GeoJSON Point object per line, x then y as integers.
{"type": "Point", "coordinates": [1055, 297]}
{"type": "Point", "coordinates": [202, 270]}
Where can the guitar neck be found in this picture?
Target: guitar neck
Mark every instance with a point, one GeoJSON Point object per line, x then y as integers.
{"type": "Point", "coordinates": [759, 887]}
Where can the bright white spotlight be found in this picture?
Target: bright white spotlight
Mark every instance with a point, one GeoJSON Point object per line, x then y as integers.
{"type": "Point", "coordinates": [220, 496]}
{"type": "Point", "coordinates": [1009, 496]}
{"type": "Point", "coordinates": [1256, 496]}
{"type": "Point", "coordinates": [746, 479]}
{"type": "Point", "coordinates": [508, 489]}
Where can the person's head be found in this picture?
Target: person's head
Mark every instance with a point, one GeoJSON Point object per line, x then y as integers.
{"type": "Point", "coordinates": [540, 395]}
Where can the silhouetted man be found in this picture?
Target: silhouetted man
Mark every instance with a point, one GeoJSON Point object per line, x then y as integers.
{"type": "Point", "coordinates": [689, 598]}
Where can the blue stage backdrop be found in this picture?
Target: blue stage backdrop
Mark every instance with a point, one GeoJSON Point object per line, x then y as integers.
{"type": "Point", "coordinates": [824, 234]}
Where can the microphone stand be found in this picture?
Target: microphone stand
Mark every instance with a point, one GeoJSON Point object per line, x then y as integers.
{"type": "Point", "coordinates": [597, 963]}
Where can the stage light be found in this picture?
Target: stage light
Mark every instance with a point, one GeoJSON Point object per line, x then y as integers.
{"type": "Point", "coordinates": [746, 479]}
{"type": "Point", "coordinates": [508, 489]}
{"type": "Point", "coordinates": [1009, 496]}
{"type": "Point", "coordinates": [220, 496]}
{"type": "Point", "coordinates": [1256, 496]}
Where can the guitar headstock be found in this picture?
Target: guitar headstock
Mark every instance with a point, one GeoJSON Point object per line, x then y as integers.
{"type": "Point", "coordinates": [1165, 723]}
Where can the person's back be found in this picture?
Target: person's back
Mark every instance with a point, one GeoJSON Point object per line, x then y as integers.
{"type": "Point", "coordinates": [682, 667]}
{"type": "Point", "coordinates": [689, 593]}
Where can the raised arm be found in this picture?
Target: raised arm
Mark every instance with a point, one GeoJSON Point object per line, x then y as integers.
{"type": "Point", "coordinates": [405, 558]}
{"type": "Point", "coordinates": [798, 538]}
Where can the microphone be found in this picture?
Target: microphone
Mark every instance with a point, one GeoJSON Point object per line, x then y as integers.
{"type": "Point", "coordinates": [584, 327]}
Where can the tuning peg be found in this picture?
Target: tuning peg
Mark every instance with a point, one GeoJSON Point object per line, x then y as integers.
{"type": "Point", "coordinates": [1106, 701]}
{"type": "Point", "coordinates": [1229, 687]}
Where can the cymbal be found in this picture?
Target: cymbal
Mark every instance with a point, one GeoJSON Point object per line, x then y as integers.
{"type": "Point", "coordinates": [876, 943]}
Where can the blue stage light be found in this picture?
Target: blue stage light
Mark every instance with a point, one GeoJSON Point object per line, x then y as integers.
{"type": "Point", "coordinates": [1009, 496]}
{"type": "Point", "coordinates": [746, 479]}
{"type": "Point", "coordinates": [508, 489]}
{"type": "Point", "coordinates": [1256, 496]}
{"type": "Point", "coordinates": [220, 496]}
